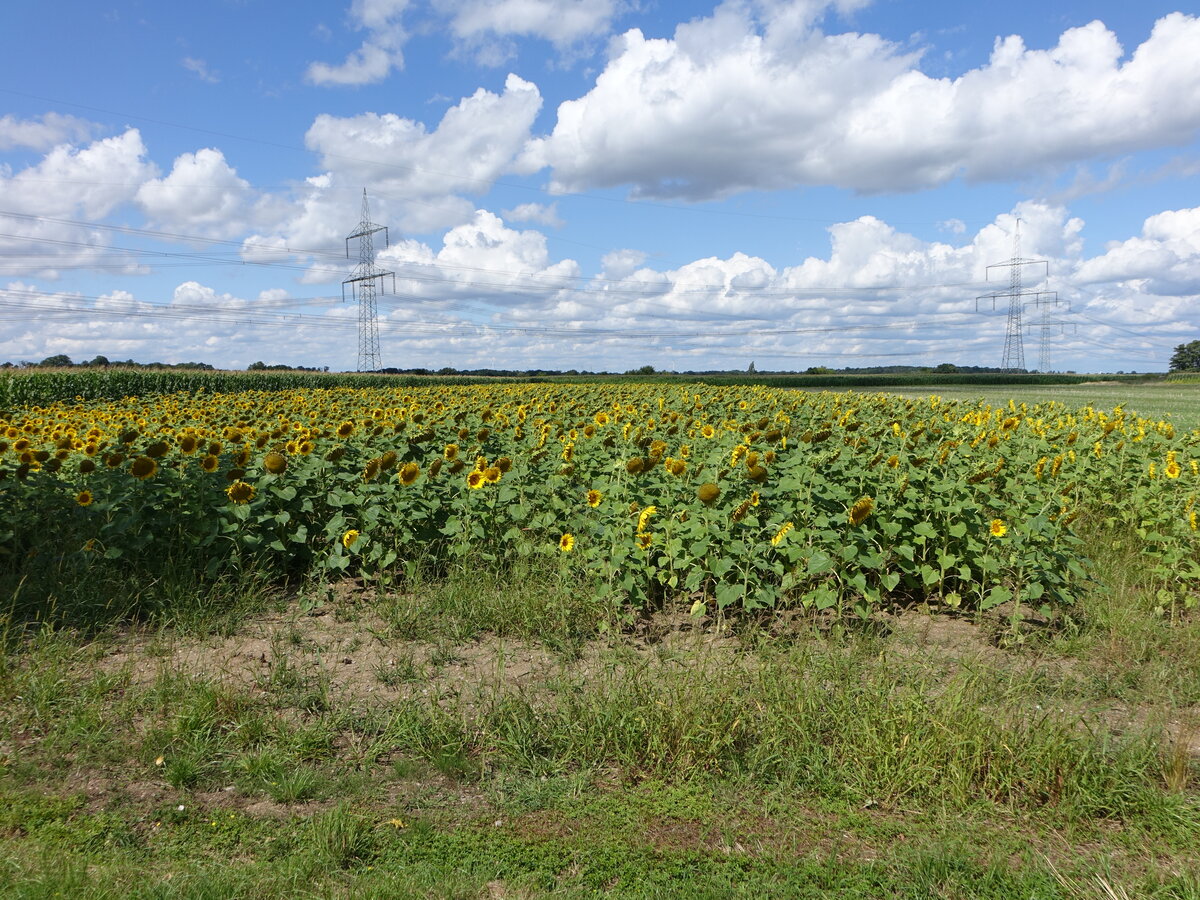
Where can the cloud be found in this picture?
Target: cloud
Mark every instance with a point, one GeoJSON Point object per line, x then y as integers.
{"type": "Point", "coordinates": [43, 132]}
{"type": "Point", "coordinates": [487, 28]}
{"type": "Point", "coordinates": [69, 183]}
{"type": "Point", "coordinates": [201, 194]}
{"type": "Point", "coordinates": [752, 98]}
{"type": "Point", "coordinates": [200, 68]}
{"type": "Point", "coordinates": [375, 58]}
{"type": "Point", "coordinates": [539, 213]}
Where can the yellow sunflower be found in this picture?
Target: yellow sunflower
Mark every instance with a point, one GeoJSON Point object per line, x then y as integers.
{"type": "Point", "coordinates": [409, 472]}
{"type": "Point", "coordinates": [566, 543]}
{"type": "Point", "coordinates": [84, 498]}
{"type": "Point", "coordinates": [594, 497]}
{"type": "Point", "coordinates": [349, 538]}
{"type": "Point", "coordinates": [781, 533]}
{"type": "Point", "coordinates": [240, 492]}
{"type": "Point", "coordinates": [998, 528]}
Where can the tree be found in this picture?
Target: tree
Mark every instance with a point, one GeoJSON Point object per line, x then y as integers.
{"type": "Point", "coordinates": [1186, 357]}
{"type": "Point", "coordinates": [946, 367]}
{"type": "Point", "coordinates": [59, 360]}
{"type": "Point", "coordinates": [750, 370]}
{"type": "Point", "coordinates": [257, 366]}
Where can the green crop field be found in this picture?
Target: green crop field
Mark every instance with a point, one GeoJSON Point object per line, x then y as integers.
{"type": "Point", "coordinates": [350, 638]}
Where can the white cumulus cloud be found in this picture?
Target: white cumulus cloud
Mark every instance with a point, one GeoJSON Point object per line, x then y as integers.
{"type": "Point", "coordinates": [737, 102]}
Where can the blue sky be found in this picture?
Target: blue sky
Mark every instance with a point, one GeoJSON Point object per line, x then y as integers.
{"type": "Point", "coordinates": [599, 184]}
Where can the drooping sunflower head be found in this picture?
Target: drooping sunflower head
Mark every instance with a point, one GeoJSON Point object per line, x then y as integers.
{"type": "Point", "coordinates": [143, 467]}
{"type": "Point", "coordinates": [594, 497]}
{"type": "Point", "coordinates": [87, 466]}
{"type": "Point", "coordinates": [781, 533]}
{"type": "Point", "coordinates": [210, 463]}
{"type": "Point", "coordinates": [387, 462]}
{"type": "Point", "coordinates": [372, 469]}
{"type": "Point", "coordinates": [450, 452]}
{"type": "Point", "coordinates": [677, 466]}
{"type": "Point", "coordinates": [475, 480]}
{"type": "Point", "coordinates": [409, 472]}
{"type": "Point", "coordinates": [158, 449]}
{"type": "Point", "coordinates": [644, 517]}
{"type": "Point", "coordinates": [860, 510]}
{"type": "Point", "coordinates": [344, 431]}
{"type": "Point", "coordinates": [187, 444]}
{"type": "Point", "coordinates": [504, 464]}
{"type": "Point", "coordinates": [644, 540]}
{"type": "Point", "coordinates": [240, 492]}
{"type": "Point", "coordinates": [275, 462]}
{"type": "Point", "coordinates": [492, 474]}
{"type": "Point", "coordinates": [708, 493]}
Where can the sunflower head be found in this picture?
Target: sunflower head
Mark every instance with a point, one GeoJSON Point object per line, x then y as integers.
{"type": "Point", "coordinates": [635, 465]}
{"type": "Point", "coordinates": [708, 493]}
{"type": "Point", "coordinates": [450, 452]}
{"type": "Point", "coordinates": [275, 462]}
{"type": "Point", "coordinates": [504, 464]}
{"type": "Point", "coordinates": [998, 528]}
{"type": "Point", "coordinates": [491, 474]}
{"type": "Point", "coordinates": [860, 510]}
{"type": "Point", "coordinates": [240, 492]}
{"type": "Point", "coordinates": [566, 543]}
{"type": "Point", "coordinates": [209, 463]}
{"type": "Point", "coordinates": [349, 538]}
{"type": "Point", "coordinates": [84, 498]}
{"type": "Point", "coordinates": [594, 497]}
{"type": "Point", "coordinates": [409, 472]}
{"type": "Point", "coordinates": [475, 480]}
{"type": "Point", "coordinates": [143, 467]}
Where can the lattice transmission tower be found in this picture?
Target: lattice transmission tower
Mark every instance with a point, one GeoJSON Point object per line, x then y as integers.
{"type": "Point", "coordinates": [1018, 298]}
{"type": "Point", "coordinates": [362, 288]}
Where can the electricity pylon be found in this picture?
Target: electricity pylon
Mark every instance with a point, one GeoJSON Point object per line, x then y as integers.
{"type": "Point", "coordinates": [362, 288]}
{"type": "Point", "coordinates": [1018, 298]}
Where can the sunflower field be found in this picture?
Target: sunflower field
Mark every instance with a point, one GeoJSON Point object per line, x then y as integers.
{"type": "Point", "coordinates": [713, 497]}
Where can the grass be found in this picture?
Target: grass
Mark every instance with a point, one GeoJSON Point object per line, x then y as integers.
{"type": "Point", "coordinates": [526, 746]}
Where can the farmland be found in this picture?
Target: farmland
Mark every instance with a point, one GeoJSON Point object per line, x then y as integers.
{"type": "Point", "coordinates": [574, 637]}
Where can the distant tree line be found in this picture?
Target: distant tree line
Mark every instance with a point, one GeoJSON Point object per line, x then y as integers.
{"type": "Point", "coordinates": [62, 361]}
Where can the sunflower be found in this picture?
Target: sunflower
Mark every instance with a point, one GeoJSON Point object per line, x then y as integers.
{"type": "Point", "coordinates": [475, 480]}
{"type": "Point", "coordinates": [387, 462]}
{"type": "Point", "coordinates": [114, 460]}
{"type": "Point", "coordinates": [1173, 469]}
{"type": "Point", "coordinates": [372, 469]}
{"type": "Point", "coordinates": [275, 463]}
{"type": "Point", "coordinates": [998, 528]}
{"type": "Point", "coordinates": [635, 465]}
{"type": "Point", "coordinates": [240, 492]}
{"type": "Point", "coordinates": [676, 466]}
{"type": "Point", "coordinates": [349, 538]}
{"type": "Point", "coordinates": [644, 518]}
{"type": "Point", "coordinates": [187, 444]}
{"type": "Point", "coordinates": [143, 467]}
{"type": "Point", "coordinates": [566, 543]}
{"type": "Point", "coordinates": [491, 474]}
{"type": "Point", "coordinates": [344, 431]}
{"type": "Point", "coordinates": [409, 472]}
{"type": "Point", "coordinates": [708, 431]}
{"type": "Point", "coordinates": [305, 448]}
{"type": "Point", "coordinates": [504, 464]}
{"type": "Point", "coordinates": [594, 497]}
{"type": "Point", "coordinates": [645, 540]}
{"type": "Point", "coordinates": [708, 493]}
{"type": "Point", "coordinates": [450, 452]}
{"type": "Point", "coordinates": [84, 498]}
{"type": "Point", "coordinates": [860, 510]}
{"type": "Point", "coordinates": [209, 463]}
{"type": "Point", "coordinates": [158, 449]}
{"type": "Point", "coordinates": [434, 468]}
{"type": "Point", "coordinates": [781, 533]}
{"type": "Point", "coordinates": [87, 466]}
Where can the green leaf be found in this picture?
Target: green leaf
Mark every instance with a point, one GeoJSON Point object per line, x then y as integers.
{"type": "Point", "coordinates": [997, 595]}
{"type": "Point", "coordinates": [818, 563]}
